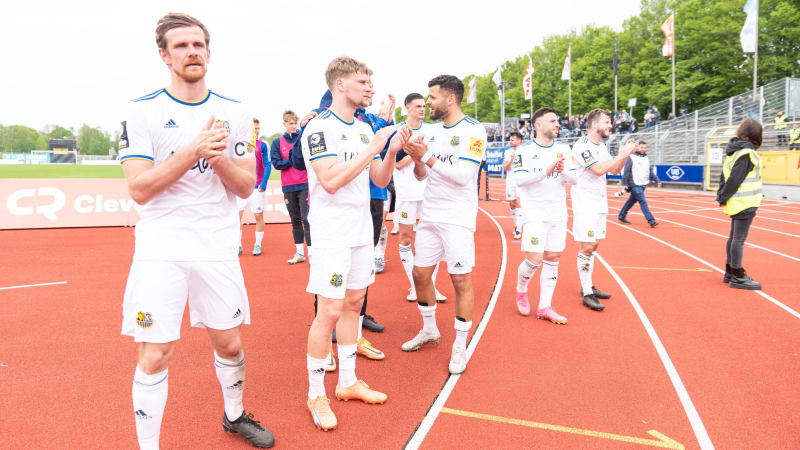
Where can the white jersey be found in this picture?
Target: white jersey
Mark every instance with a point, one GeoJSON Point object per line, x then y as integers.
{"type": "Point", "coordinates": [589, 195]}
{"type": "Point", "coordinates": [195, 218]}
{"type": "Point", "coordinates": [406, 185]}
{"type": "Point", "coordinates": [341, 219]}
{"type": "Point", "coordinates": [544, 200]}
{"type": "Point", "coordinates": [508, 155]}
{"type": "Point", "coordinates": [460, 149]}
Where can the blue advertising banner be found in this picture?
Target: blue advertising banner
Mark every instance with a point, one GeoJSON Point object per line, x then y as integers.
{"type": "Point", "coordinates": [494, 160]}
{"type": "Point", "coordinates": [674, 173]}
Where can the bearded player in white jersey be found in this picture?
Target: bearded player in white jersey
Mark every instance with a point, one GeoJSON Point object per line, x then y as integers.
{"type": "Point", "coordinates": [589, 200]}
{"type": "Point", "coordinates": [512, 196]}
{"type": "Point", "coordinates": [183, 153]}
{"type": "Point", "coordinates": [450, 157]}
{"type": "Point", "coordinates": [342, 154]}
{"type": "Point", "coordinates": [541, 168]}
{"type": "Point", "coordinates": [410, 192]}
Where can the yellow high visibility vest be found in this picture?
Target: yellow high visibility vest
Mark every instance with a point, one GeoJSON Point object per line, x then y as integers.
{"type": "Point", "coordinates": [794, 135]}
{"type": "Point", "coordinates": [749, 193]}
{"type": "Point", "coordinates": [779, 122]}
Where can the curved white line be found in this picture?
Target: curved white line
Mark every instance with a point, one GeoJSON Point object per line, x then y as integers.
{"type": "Point", "coordinates": [422, 430]}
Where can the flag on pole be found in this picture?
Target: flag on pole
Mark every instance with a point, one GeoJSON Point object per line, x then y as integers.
{"type": "Point", "coordinates": [566, 73]}
{"type": "Point", "coordinates": [748, 34]}
{"type": "Point", "coordinates": [614, 63]}
{"type": "Point", "coordinates": [527, 82]}
{"type": "Point", "coordinates": [472, 95]}
{"type": "Point", "coordinates": [498, 80]}
{"type": "Point", "coordinates": [669, 36]}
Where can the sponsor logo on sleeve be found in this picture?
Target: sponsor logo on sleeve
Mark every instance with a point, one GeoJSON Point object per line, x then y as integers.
{"type": "Point", "coordinates": [476, 147]}
{"type": "Point", "coordinates": [316, 143]}
{"type": "Point", "coordinates": [123, 138]}
{"type": "Point", "coordinates": [587, 156]}
{"type": "Point", "coordinates": [518, 162]}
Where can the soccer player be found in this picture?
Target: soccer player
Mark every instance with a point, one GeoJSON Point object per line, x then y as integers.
{"type": "Point", "coordinates": [511, 187]}
{"type": "Point", "coordinates": [410, 193]}
{"type": "Point", "coordinates": [540, 171]}
{"type": "Point", "coordinates": [294, 184]}
{"type": "Point", "coordinates": [183, 153]}
{"type": "Point", "coordinates": [342, 155]}
{"type": "Point", "coordinates": [589, 200]}
{"type": "Point", "coordinates": [258, 198]}
{"type": "Point", "coordinates": [449, 156]}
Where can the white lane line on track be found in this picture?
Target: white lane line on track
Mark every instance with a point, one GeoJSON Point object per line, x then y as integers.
{"type": "Point", "coordinates": [32, 285]}
{"type": "Point", "coordinates": [715, 234]}
{"type": "Point", "coordinates": [716, 219]}
{"type": "Point", "coordinates": [775, 301]}
{"type": "Point", "coordinates": [425, 426]}
{"type": "Point", "coordinates": [691, 412]}
{"type": "Point", "coordinates": [719, 210]}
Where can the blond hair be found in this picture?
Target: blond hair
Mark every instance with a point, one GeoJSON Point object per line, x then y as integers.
{"type": "Point", "coordinates": [177, 20]}
{"type": "Point", "coordinates": [343, 66]}
{"type": "Point", "coordinates": [289, 115]}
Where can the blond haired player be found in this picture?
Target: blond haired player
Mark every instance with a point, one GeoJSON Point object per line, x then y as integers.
{"type": "Point", "coordinates": [183, 153]}
{"type": "Point", "coordinates": [450, 157]}
{"type": "Point", "coordinates": [341, 155]}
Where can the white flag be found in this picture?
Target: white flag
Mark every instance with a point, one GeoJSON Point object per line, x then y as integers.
{"type": "Point", "coordinates": [749, 34]}
{"type": "Point", "coordinates": [472, 95]}
{"type": "Point", "coordinates": [566, 74]}
{"type": "Point", "coordinates": [527, 82]}
{"type": "Point", "coordinates": [498, 80]}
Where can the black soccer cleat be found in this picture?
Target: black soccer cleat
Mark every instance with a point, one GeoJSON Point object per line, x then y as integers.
{"type": "Point", "coordinates": [251, 429]}
{"type": "Point", "coordinates": [372, 325]}
{"type": "Point", "coordinates": [591, 302]}
{"type": "Point", "coordinates": [600, 294]}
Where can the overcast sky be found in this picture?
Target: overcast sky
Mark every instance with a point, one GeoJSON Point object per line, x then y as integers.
{"type": "Point", "coordinates": [71, 63]}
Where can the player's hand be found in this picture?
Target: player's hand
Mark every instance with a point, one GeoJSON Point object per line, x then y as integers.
{"type": "Point", "coordinates": [556, 166]}
{"type": "Point", "coordinates": [381, 137]}
{"type": "Point", "coordinates": [386, 109]}
{"type": "Point", "coordinates": [211, 142]}
{"type": "Point", "coordinates": [416, 147]}
{"type": "Point", "coordinates": [627, 149]}
{"type": "Point", "coordinates": [307, 118]}
{"type": "Point", "coordinates": [400, 139]}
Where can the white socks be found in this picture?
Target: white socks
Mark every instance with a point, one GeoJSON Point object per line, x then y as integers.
{"type": "Point", "coordinates": [298, 248]}
{"type": "Point", "coordinates": [525, 272]}
{"type": "Point", "coordinates": [462, 330]}
{"type": "Point", "coordinates": [407, 258]}
{"type": "Point", "coordinates": [316, 376]}
{"type": "Point", "coordinates": [428, 317]}
{"type": "Point", "coordinates": [585, 268]}
{"type": "Point", "coordinates": [347, 364]}
{"type": "Point", "coordinates": [380, 248]}
{"type": "Point", "coordinates": [259, 237]}
{"type": "Point", "coordinates": [547, 283]}
{"type": "Point", "coordinates": [516, 216]}
{"type": "Point", "coordinates": [433, 277]}
{"type": "Point", "coordinates": [230, 373]}
{"type": "Point", "coordinates": [149, 398]}
{"type": "Point", "coordinates": [360, 324]}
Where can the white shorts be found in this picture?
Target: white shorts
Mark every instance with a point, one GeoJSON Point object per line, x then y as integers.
{"type": "Point", "coordinates": [540, 237]}
{"type": "Point", "coordinates": [444, 241]}
{"type": "Point", "coordinates": [408, 212]}
{"type": "Point", "coordinates": [257, 202]}
{"type": "Point", "coordinates": [334, 270]}
{"type": "Point", "coordinates": [156, 294]}
{"type": "Point", "coordinates": [589, 227]}
{"type": "Point", "coordinates": [511, 190]}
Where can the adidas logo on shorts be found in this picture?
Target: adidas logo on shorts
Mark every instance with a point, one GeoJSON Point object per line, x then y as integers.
{"type": "Point", "coordinates": [237, 313]}
{"type": "Point", "coordinates": [458, 264]}
{"type": "Point", "coordinates": [171, 124]}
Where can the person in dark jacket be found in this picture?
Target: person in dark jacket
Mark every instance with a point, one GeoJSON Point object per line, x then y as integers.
{"type": "Point", "coordinates": [740, 195]}
{"type": "Point", "coordinates": [636, 174]}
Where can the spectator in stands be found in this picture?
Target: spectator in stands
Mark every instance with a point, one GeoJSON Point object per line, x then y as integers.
{"type": "Point", "coordinates": [656, 115]}
{"type": "Point", "coordinates": [780, 127]}
{"type": "Point", "coordinates": [636, 175]}
{"type": "Point", "coordinates": [794, 137]}
{"type": "Point", "coordinates": [671, 116]}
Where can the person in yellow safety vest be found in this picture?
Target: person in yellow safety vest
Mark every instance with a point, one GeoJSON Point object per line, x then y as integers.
{"type": "Point", "coordinates": [740, 195]}
{"type": "Point", "coordinates": [794, 137]}
{"type": "Point", "coordinates": [780, 126]}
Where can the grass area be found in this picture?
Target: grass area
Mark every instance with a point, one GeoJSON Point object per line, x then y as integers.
{"type": "Point", "coordinates": [72, 171]}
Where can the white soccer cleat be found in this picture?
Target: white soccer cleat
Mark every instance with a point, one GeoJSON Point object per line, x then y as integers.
{"type": "Point", "coordinates": [297, 258]}
{"type": "Point", "coordinates": [423, 337]}
{"type": "Point", "coordinates": [412, 294]}
{"type": "Point", "coordinates": [439, 296]}
{"type": "Point", "coordinates": [458, 359]}
{"type": "Point", "coordinates": [396, 228]}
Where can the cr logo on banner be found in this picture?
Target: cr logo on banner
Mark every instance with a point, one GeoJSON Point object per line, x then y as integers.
{"type": "Point", "coordinates": [57, 200]}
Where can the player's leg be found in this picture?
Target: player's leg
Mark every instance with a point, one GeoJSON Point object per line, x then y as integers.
{"type": "Point", "coordinates": [257, 205]}
{"type": "Point", "coordinates": [383, 238]}
{"type": "Point", "coordinates": [376, 210]}
{"type": "Point", "coordinates": [241, 203]}
{"type": "Point", "coordinates": [554, 244]}
{"type": "Point", "coordinates": [218, 302]}
{"type": "Point", "coordinates": [294, 207]}
{"type": "Point", "coordinates": [303, 198]}
{"type": "Point", "coordinates": [155, 297]}
{"type": "Point", "coordinates": [639, 193]}
{"type": "Point", "coordinates": [584, 231]}
{"type": "Point", "coordinates": [623, 213]}
{"type": "Point", "coordinates": [516, 215]}
{"type": "Point", "coordinates": [533, 234]}
{"type": "Point", "coordinates": [406, 217]}
{"type": "Point", "coordinates": [459, 252]}
{"type": "Point", "coordinates": [428, 248]}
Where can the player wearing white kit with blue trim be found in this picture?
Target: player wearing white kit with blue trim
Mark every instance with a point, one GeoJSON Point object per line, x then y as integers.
{"type": "Point", "coordinates": [450, 158]}
{"type": "Point", "coordinates": [541, 169]}
{"type": "Point", "coordinates": [182, 149]}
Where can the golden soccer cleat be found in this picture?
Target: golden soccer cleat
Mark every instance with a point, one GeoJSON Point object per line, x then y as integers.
{"type": "Point", "coordinates": [365, 349]}
{"type": "Point", "coordinates": [330, 363]}
{"type": "Point", "coordinates": [320, 408]}
{"type": "Point", "coordinates": [360, 391]}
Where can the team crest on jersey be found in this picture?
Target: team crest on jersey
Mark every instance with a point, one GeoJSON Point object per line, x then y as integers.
{"type": "Point", "coordinates": [336, 280]}
{"type": "Point", "coordinates": [219, 123]}
{"type": "Point", "coordinates": [535, 240]}
{"type": "Point", "coordinates": [316, 143]}
{"type": "Point", "coordinates": [476, 147]}
{"type": "Point", "coordinates": [454, 141]}
{"type": "Point", "coordinates": [364, 139]}
{"type": "Point", "coordinates": [590, 233]}
{"type": "Point", "coordinates": [144, 319]}
{"type": "Point", "coordinates": [404, 215]}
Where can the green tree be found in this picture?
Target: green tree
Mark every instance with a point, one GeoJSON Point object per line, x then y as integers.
{"type": "Point", "coordinates": [59, 132]}
{"type": "Point", "coordinates": [93, 141]}
{"type": "Point", "coordinates": [21, 139]}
